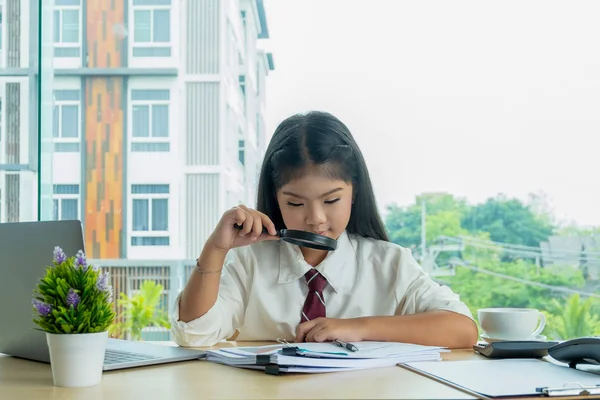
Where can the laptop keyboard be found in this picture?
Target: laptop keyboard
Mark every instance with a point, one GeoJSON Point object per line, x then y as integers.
{"type": "Point", "coordinates": [118, 356]}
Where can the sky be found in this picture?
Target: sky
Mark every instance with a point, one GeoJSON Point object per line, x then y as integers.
{"type": "Point", "coordinates": [472, 98]}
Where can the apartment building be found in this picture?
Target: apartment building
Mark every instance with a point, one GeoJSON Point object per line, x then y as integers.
{"type": "Point", "coordinates": [154, 119]}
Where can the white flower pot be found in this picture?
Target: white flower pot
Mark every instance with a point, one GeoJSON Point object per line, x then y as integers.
{"type": "Point", "coordinates": [77, 359]}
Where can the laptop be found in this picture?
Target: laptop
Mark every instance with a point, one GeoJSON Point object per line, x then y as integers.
{"type": "Point", "coordinates": [25, 252]}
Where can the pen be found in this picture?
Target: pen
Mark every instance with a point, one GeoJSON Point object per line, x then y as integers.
{"type": "Point", "coordinates": [345, 345]}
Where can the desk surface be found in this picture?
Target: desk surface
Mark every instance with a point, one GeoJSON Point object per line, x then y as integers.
{"type": "Point", "coordinates": [206, 380]}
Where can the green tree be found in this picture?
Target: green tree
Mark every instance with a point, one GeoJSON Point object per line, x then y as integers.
{"type": "Point", "coordinates": [508, 221]}
{"type": "Point", "coordinates": [443, 217]}
{"type": "Point", "coordinates": [490, 276]}
{"type": "Point", "coordinates": [572, 319]}
{"type": "Point", "coordinates": [480, 289]}
{"type": "Point", "coordinates": [141, 310]}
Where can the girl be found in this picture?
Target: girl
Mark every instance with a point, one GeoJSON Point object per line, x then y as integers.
{"type": "Point", "coordinates": [247, 282]}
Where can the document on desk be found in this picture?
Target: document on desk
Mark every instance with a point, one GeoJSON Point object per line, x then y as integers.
{"type": "Point", "coordinates": [324, 357]}
{"type": "Point", "coordinates": [506, 377]}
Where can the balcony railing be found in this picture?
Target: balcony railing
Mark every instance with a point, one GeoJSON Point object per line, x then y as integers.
{"type": "Point", "coordinates": [128, 275]}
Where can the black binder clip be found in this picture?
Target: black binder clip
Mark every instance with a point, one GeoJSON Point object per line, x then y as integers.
{"type": "Point", "coordinates": [288, 349]}
{"type": "Point", "coordinates": [570, 389]}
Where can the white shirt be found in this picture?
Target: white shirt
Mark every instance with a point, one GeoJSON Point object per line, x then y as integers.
{"type": "Point", "coordinates": [263, 289]}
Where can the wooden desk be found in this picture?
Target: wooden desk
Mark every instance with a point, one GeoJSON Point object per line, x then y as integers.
{"type": "Point", "coordinates": [206, 380]}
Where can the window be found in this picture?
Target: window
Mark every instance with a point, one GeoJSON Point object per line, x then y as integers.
{"type": "Point", "coordinates": [152, 28]}
{"type": "Point", "coordinates": [242, 80]}
{"type": "Point", "coordinates": [241, 151]}
{"type": "Point", "coordinates": [66, 202]}
{"type": "Point", "coordinates": [66, 120]}
{"type": "Point", "coordinates": [150, 215]}
{"type": "Point", "coordinates": [67, 23]}
{"type": "Point", "coordinates": [150, 120]}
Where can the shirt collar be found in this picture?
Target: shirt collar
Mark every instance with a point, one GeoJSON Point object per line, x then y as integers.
{"type": "Point", "coordinates": [339, 266]}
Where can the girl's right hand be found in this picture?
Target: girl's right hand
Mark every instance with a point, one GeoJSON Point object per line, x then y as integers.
{"type": "Point", "coordinates": [226, 237]}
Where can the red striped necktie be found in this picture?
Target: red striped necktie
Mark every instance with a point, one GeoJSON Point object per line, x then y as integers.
{"type": "Point", "coordinates": [314, 306]}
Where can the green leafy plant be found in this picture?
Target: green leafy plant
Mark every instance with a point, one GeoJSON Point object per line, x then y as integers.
{"type": "Point", "coordinates": [141, 310]}
{"type": "Point", "coordinates": [73, 297]}
{"type": "Point", "coordinates": [572, 318]}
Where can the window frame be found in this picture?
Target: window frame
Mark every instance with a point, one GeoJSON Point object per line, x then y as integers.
{"type": "Point", "coordinates": [58, 120]}
{"type": "Point", "coordinates": [64, 45]}
{"type": "Point", "coordinates": [59, 197]}
{"type": "Point", "coordinates": [149, 139]}
{"type": "Point", "coordinates": [150, 233]}
{"type": "Point", "coordinates": [151, 44]}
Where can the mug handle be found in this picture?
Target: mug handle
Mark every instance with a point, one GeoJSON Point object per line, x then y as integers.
{"type": "Point", "coordinates": [541, 326]}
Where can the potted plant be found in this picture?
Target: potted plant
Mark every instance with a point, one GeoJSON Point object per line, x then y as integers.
{"type": "Point", "coordinates": [73, 304]}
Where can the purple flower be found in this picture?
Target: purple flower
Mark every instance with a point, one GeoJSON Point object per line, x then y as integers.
{"type": "Point", "coordinates": [80, 260]}
{"type": "Point", "coordinates": [59, 255]}
{"type": "Point", "coordinates": [73, 298]}
{"type": "Point", "coordinates": [42, 308]}
{"type": "Point", "coordinates": [110, 294]}
{"type": "Point", "coordinates": [103, 283]}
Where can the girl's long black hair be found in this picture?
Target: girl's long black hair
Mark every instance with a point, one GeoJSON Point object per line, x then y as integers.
{"type": "Point", "coordinates": [319, 139]}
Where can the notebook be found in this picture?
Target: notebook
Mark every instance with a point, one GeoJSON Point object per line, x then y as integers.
{"type": "Point", "coordinates": [511, 377]}
{"type": "Point", "coordinates": [323, 357]}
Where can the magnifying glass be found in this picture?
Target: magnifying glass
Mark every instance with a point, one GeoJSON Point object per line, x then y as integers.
{"type": "Point", "coordinates": [303, 238]}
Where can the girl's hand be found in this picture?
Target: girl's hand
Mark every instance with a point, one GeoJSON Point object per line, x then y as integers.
{"type": "Point", "coordinates": [226, 237]}
{"type": "Point", "coordinates": [328, 329]}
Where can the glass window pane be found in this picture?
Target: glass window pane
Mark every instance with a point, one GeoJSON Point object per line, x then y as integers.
{"type": "Point", "coordinates": [70, 122]}
{"type": "Point", "coordinates": [162, 26]}
{"type": "Point", "coordinates": [55, 210]}
{"type": "Point", "coordinates": [150, 94]}
{"type": "Point", "coordinates": [56, 26]}
{"type": "Point", "coordinates": [70, 26]}
{"type": "Point", "coordinates": [151, 147]}
{"type": "Point", "coordinates": [152, 51]}
{"type": "Point", "coordinates": [55, 122]}
{"type": "Point", "coordinates": [150, 241]}
{"type": "Point", "coordinates": [140, 121]}
{"type": "Point", "coordinates": [149, 189]}
{"type": "Point", "coordinates": [160, 214]}
{"type": "Point", "coordinates": [140, 215]}
{"type": "Point", "coordinates": [69, 209]}
{"type": "Point", "coordinates": [142, 32]}
{"type": "Point", "coordinates": [160, 121]}
{"type": "Point", "coordinates": [66, 189]}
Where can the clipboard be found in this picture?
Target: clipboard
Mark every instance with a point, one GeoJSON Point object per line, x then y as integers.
{"type": "Point", "coordinates": [571, 389]}
{"type": "Point", "coordinates": [511, 378]}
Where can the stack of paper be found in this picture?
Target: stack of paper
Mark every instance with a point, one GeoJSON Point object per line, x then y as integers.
{"type": "Point", "coordinates": [323, 357]}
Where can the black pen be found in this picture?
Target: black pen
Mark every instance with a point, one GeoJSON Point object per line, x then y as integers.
{"type": "Point", "coordinates": [345, 345]}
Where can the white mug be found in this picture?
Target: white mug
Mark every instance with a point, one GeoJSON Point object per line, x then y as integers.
{"type": "Point", "coordinates": [511, 323]}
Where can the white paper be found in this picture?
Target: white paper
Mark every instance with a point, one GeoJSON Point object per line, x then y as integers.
{"type": "Point", "coordinates": [370, 349]}
{"type": "Point", "coordinates": [319, 357]}
{"type": "Point", "coordinates": [506, 377]}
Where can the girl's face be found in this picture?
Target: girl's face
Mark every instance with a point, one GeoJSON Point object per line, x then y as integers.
{"type": "Point", "coordinates": [317, 204]}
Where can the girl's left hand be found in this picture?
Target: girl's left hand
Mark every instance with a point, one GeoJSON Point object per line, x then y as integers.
{"type": "Point", "coordinates": [327, 329]}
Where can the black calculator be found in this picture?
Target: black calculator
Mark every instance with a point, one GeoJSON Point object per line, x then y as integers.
{"type": "Point", "coordinates": [514, 349]}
